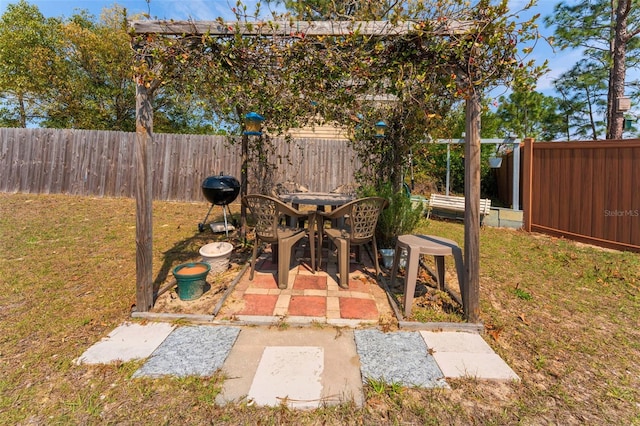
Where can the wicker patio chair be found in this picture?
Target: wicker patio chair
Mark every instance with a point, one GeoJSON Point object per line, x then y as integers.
{"type": "Point", "coordinates": [357, 229]}
{"type": "Point", "coordinates": [266, 212]}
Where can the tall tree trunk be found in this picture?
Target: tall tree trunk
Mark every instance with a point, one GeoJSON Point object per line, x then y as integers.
{"type": "Point", "coordinates": [617, 76]}
{"type": "Point", "coordinates": [23, 113]}
{"type": "Point", "coordinates": [592, 119]}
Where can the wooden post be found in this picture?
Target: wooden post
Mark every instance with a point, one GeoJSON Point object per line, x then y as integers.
{"type": "Point", "coordinates": [471, 290]}
{"type": "Point", "coordinates": [144, 198]}
{"type": "Point", "coordinates": [527, 185]}
{"type": "Point", "coordinates": [515, 188]}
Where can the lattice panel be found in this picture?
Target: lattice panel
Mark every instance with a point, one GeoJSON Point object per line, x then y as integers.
{"type": "Point", "coordinates": [364, 217]}
{"type": "Point", "coordinates": [263, 211]}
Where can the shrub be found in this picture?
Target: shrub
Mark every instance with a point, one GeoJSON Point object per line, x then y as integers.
{"type": "Point", "coordinates": [400, 216]}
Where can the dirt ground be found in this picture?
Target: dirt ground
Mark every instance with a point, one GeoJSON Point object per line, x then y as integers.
{"type": "Point", "coordinates": [216, 287]}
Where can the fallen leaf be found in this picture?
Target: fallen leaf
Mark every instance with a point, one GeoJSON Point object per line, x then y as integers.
{"type": "Point", "coordinates": [495, 333]}
{"type": "Point", "coordinates": [523, 319]}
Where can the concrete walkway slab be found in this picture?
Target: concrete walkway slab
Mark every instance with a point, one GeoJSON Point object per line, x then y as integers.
{"type": "Point", "coordinates": [466, 355]}
{"type": "Point", "coordinates": [452, 341]}
{"type": "Point", "coordinates": [303, 367]}
{"type": "Point", "coordinates": [290, 375]}
{"type": "Point", "coordinates": [127, 342]}
{"type": "Point", "coordinates": [199, 351]}
{"type": "Point", "coordinates": [479, 366]}
{"type": "Point", "coordinates": [340, 376]}
{"type": "Point", "coordinates": [398, 357]}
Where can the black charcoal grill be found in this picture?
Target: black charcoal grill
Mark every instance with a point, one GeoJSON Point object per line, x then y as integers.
{"type": "Point", "coordinates": [219, 190]}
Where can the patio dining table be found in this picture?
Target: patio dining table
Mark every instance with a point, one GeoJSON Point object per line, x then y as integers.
{"type": "Point", "coordinates": [318, 199]}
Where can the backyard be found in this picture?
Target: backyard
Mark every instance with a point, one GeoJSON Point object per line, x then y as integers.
{"type": "Point", "coordinates": [564, 316]}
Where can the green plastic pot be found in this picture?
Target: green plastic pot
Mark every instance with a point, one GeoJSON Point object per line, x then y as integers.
{"type": "Point", "coordinates": [191, 278]}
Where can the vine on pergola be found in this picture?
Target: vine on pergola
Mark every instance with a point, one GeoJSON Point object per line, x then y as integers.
{"type": "Point", "coordinates": [295, 79]}
{"type": "Point", "coordinates": [296, 73]}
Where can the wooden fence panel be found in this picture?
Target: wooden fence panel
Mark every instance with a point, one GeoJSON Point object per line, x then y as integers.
{"type": "Point", "coordinates": [24, 158]}
{"type": "Point", "coordinates": [319, 164]}
{"type": "Point", "coordinates": [100, 163]}
{"type": "Point", "coordinates": [587, 191]}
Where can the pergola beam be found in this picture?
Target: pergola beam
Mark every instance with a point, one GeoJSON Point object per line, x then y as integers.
{"type": "Point", "coordinates": [293, 28]}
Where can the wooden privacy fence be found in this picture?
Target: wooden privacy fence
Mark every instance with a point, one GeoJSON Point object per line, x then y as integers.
{"type": "Point", "coordinates": [101, 163]}
{"type": "Point", "coordinates": [586, 191]}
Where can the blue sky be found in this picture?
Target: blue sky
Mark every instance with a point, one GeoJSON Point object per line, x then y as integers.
{"type": "Point", "coordinates": [161, 9]}
{"type": "Point", "coordinates": [212, 9]}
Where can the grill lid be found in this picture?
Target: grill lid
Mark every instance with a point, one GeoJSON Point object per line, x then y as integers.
{"type": "Point", "coordinates": [220, 189]}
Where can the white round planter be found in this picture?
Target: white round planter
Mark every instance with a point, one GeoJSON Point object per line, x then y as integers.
{"type": "Point", "coordinates": [217, 255]}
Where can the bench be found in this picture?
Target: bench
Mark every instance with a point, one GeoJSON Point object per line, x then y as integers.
{"type": "Point", "coordinates": [448, 206]}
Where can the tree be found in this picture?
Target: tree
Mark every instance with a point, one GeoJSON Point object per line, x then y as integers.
{"type": "Point", "coordinates": [30, 45]}
{"type": "Point", "coordinates": [77, 74]}
{"type": "Point", "coordinates": [527, 113]}
{"type": "Point", "coordinates": [95, 90]}
{"type": "Point", "coordinates": [607, 33]}
{"type": "Point", "coordinates": [583, 101]}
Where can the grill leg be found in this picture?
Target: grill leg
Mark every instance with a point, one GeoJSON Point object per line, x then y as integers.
{"type": "Point", "coordinates": [204, 222]}
{"type": "Point", "coordinates": [224, 213]}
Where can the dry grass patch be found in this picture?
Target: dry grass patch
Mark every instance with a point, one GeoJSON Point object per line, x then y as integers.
{"type": "Point", "coordinates": [564, 316]}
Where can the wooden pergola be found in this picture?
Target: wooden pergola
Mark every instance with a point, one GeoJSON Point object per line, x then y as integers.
{"type": "Point", "coordinates": [144, 137]}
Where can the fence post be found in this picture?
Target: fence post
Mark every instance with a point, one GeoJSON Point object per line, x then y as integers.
{"type": "Point", "coordinates": [515, 178]}
{"type": "Point", "coordinates": [527, 185]}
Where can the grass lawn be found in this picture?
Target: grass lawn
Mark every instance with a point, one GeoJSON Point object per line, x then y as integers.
{"type": "Point", "coordinates": [564, 316]}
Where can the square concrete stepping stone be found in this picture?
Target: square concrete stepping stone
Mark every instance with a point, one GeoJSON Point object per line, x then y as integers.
{"type": "Point", "coordinates": [399, 357]}
{"type": "Point", "coordinates": [191, 351]}
{"type": "Point", "coordinates": [127, 342]}
{"type": "Point", "coordinates": [453, 341]}
{"type": "Point", "coordinates": [461, 354]}
{"type": "Point", "coordinates": [264, 361]}
{"type": "Point", "coordinates": [290, 375]}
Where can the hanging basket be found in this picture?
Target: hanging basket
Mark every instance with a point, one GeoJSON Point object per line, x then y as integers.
{"type": "Point", "coordinates": [495, 162]}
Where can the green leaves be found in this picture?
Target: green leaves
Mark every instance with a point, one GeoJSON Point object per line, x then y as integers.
{"type": "Point", "coordinates": [527, 113]}
{"type": "Point", "coordinates": [607, 35]}
{"type": "Point", "coordinates": [28, 43]}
